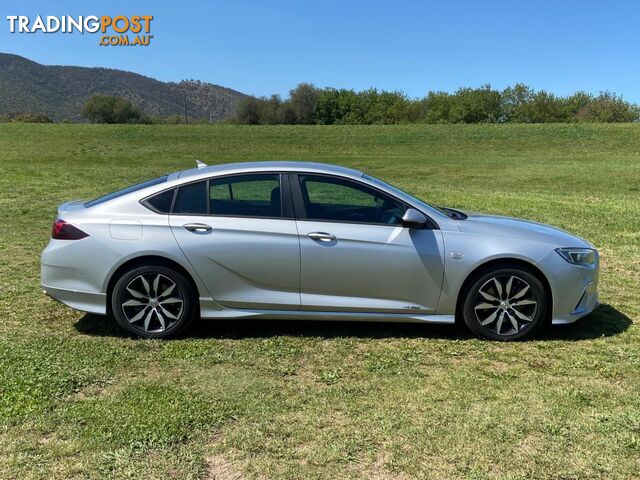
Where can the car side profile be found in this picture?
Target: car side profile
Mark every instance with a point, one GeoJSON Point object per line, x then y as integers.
{"type": "Point", "coordinates": [297, 240]}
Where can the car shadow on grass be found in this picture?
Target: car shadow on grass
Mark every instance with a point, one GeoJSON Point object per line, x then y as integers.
{"type": "Point", "coordinates": [605, 321]}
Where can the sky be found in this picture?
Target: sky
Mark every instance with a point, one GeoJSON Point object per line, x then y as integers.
{"type": "Point", "coordinates": [266, 47]}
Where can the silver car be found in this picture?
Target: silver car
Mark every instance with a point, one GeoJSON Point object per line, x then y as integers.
{"type": "Point", "coordinates": [297, 240]}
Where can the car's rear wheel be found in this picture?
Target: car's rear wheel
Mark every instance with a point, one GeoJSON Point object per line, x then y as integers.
{"type": "Point", "coordinates": [153, 301]}
{"type": "Point", "coordinates": [505, 303]}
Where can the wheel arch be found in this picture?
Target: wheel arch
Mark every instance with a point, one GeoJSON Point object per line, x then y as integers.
{"type": "Point", "coordinates": [148, 260]}
{"type": "Point", "coordinates": [499, 262]}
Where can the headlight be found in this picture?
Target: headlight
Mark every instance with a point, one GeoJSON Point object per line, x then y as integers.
{"type": "Point", "coordinates": [585, 257]}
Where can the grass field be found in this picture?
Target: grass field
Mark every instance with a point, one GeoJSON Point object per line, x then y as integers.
{"type": "Point", "coordinates": [325, 400]}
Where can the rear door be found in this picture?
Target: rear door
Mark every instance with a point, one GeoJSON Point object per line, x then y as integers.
{"type": "Point", "coordinates": [239, 234]}
{"type": "Point", "coordinates": [355, 254]}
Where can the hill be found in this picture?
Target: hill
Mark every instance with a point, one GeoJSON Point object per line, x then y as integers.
{"type": "Point", "coordinates": [60, 91]}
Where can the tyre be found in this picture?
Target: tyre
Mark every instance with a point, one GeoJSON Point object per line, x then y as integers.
{"type": "Point", "coordinates": [153, 301]}
{"type": "Point", "coordinates": [505, 303]}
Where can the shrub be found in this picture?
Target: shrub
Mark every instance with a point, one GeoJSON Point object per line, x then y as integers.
{"type": "Point", "coordinates": [248, 112]}
{"type": "Point", "coordinates": [514, 103]}
{"type": "Point", "coordinates": [335, 106]}
{"type": "Point", "coordinates": [303, 100]}
{"type": "Point", "coordinates": [475, 105]}
{"type": "Point", "coordinates": [107, 109]}
{"type": "Point", "coordinates": [575, 103]}
{"type": "Point", "coordinates": [26, 117]}
{"type": "Point", "coordinates": [545, 107]}
{"type": "Point", "coordinates": [608, 107]}
{"type": "Point", "coordinates": [437, 107]}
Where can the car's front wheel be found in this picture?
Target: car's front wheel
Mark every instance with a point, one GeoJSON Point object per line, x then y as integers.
{"type": "Point", "coordinates": [505, 303]}
{"type": "Point", "coordinates": [153, 302]}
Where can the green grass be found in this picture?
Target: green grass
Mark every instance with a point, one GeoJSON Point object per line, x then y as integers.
{"type": "Point", "coordinates": [325, 400]}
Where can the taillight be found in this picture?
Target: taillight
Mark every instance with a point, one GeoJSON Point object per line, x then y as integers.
{"type": "Point", "coordinates": [65, 231]}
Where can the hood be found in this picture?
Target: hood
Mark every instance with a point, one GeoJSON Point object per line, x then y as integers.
{"type": "Point", "coordinates": [513, 227]}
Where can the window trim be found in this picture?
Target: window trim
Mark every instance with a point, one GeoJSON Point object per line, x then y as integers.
{"type": "Point", "coordinates": [286, 203]}
{"type": "Point", "coordinates": [291, 198]}
{"type": "Point", "coordinates": [301, 210]}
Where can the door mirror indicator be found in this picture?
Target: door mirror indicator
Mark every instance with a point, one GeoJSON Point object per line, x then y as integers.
{"type": "Point", "coordinates": [412, 218]}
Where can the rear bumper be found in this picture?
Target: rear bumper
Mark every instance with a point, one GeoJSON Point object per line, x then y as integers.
{"type": "Point", "coordinates": [90, 302]}
{"type": "Point", "coordinates": [73, 273]}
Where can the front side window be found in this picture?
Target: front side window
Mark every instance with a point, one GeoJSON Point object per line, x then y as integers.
{"type": "Point", "coordinates": [342, 200]}
{"type": "Point", "coordinates": [256, 195]}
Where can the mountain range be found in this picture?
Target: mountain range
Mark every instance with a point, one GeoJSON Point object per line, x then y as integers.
{"type": "Point", "coordinates": [60, 91]}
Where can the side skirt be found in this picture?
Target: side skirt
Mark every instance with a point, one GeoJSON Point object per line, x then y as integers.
{"type": "Point", "coordinates": [212, 310]}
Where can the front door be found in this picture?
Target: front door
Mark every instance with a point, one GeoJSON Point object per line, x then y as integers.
{"type": "Point", "coordinates": [233, 232]}
{"type": "Point", "coordinates": [355, 254]}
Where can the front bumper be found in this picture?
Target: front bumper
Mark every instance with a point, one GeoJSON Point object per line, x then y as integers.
{"type": "Point", "coordinates": [587, 303]}
{"type": "Point", "coordinates": [574, 288]}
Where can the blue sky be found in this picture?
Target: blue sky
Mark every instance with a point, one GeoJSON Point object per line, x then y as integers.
{"type": "Point", "coordinates": [264, 47]}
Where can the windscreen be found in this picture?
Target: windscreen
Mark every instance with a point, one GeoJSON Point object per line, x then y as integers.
{"type": "Point", "coordinates": [124, 191]}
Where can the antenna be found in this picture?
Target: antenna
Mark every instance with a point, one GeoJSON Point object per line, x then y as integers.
{"type": "Point", "coordinates": [201, 164]}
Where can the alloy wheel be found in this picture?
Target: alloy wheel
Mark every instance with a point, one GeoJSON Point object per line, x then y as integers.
{"type": "Point", "coordinates": [152, 303]}
{"type": "Point", "coordinates": [505, 305]}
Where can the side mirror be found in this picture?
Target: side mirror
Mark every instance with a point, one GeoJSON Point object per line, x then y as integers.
{"type": "Point", "coordinates": [412, 218]}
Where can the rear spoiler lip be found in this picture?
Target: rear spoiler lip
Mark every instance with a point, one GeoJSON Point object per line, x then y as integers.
{"type": "Point", "coordinates": [71, 205]}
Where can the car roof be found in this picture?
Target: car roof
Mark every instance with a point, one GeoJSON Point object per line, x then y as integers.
{"type": "Point", "coordinates": [281, 166]}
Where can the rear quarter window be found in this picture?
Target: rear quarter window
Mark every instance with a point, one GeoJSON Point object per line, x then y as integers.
{"type": "Point", "coordinates": [161, 202]}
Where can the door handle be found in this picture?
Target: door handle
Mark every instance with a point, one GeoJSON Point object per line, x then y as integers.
{"type": "Point", "coordinates": [321, 236]}
{"type": "Point", "coordinates": [198, 227]}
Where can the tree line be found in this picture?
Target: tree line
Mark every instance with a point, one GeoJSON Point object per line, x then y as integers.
{"type": "Point", "coordinates": [308, 105]}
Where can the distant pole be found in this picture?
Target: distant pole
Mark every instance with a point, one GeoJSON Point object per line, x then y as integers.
{"type": "Point", "coordinates": [186, 120]}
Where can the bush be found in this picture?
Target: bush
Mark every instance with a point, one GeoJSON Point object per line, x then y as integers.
{"type": "Point", "coordinates": [334, 106]}
{"type": "Point", "coordinates": [386, 108]}
{"type": "Point", "coordinates": [575, 103]}
{"type": "Point", "coordinates": [169, 120]}
{"type": "Point", "coordinates": [475, 105]}
{"type": "Point", "coordinates": [303, 100]}
{"type": "Point", "coordinates": [608, 107]}
{"type": "Point", "coordinates": [514, 103]}
{"type": "Point", "coordinates": [545, 107]}
{"type": "Point", "coordinates": [248, 112]}
{"type": "Point", "coordinates": [437, 107]}
{"type": "Point", "coordinates": [107, 109]}
{"type": "Point", "coordinates": [25, 117]}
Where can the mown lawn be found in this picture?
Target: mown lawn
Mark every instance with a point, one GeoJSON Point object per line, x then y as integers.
{"type": "Point", "coordinates": [325, 400]}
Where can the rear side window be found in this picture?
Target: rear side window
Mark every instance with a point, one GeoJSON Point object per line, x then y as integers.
{"type": "Point", "coordinates": [246, 196]}
{"type": "Point", "coordinates": [191, 199]}
{"type": "Point", "coordinates": [161, 202]}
